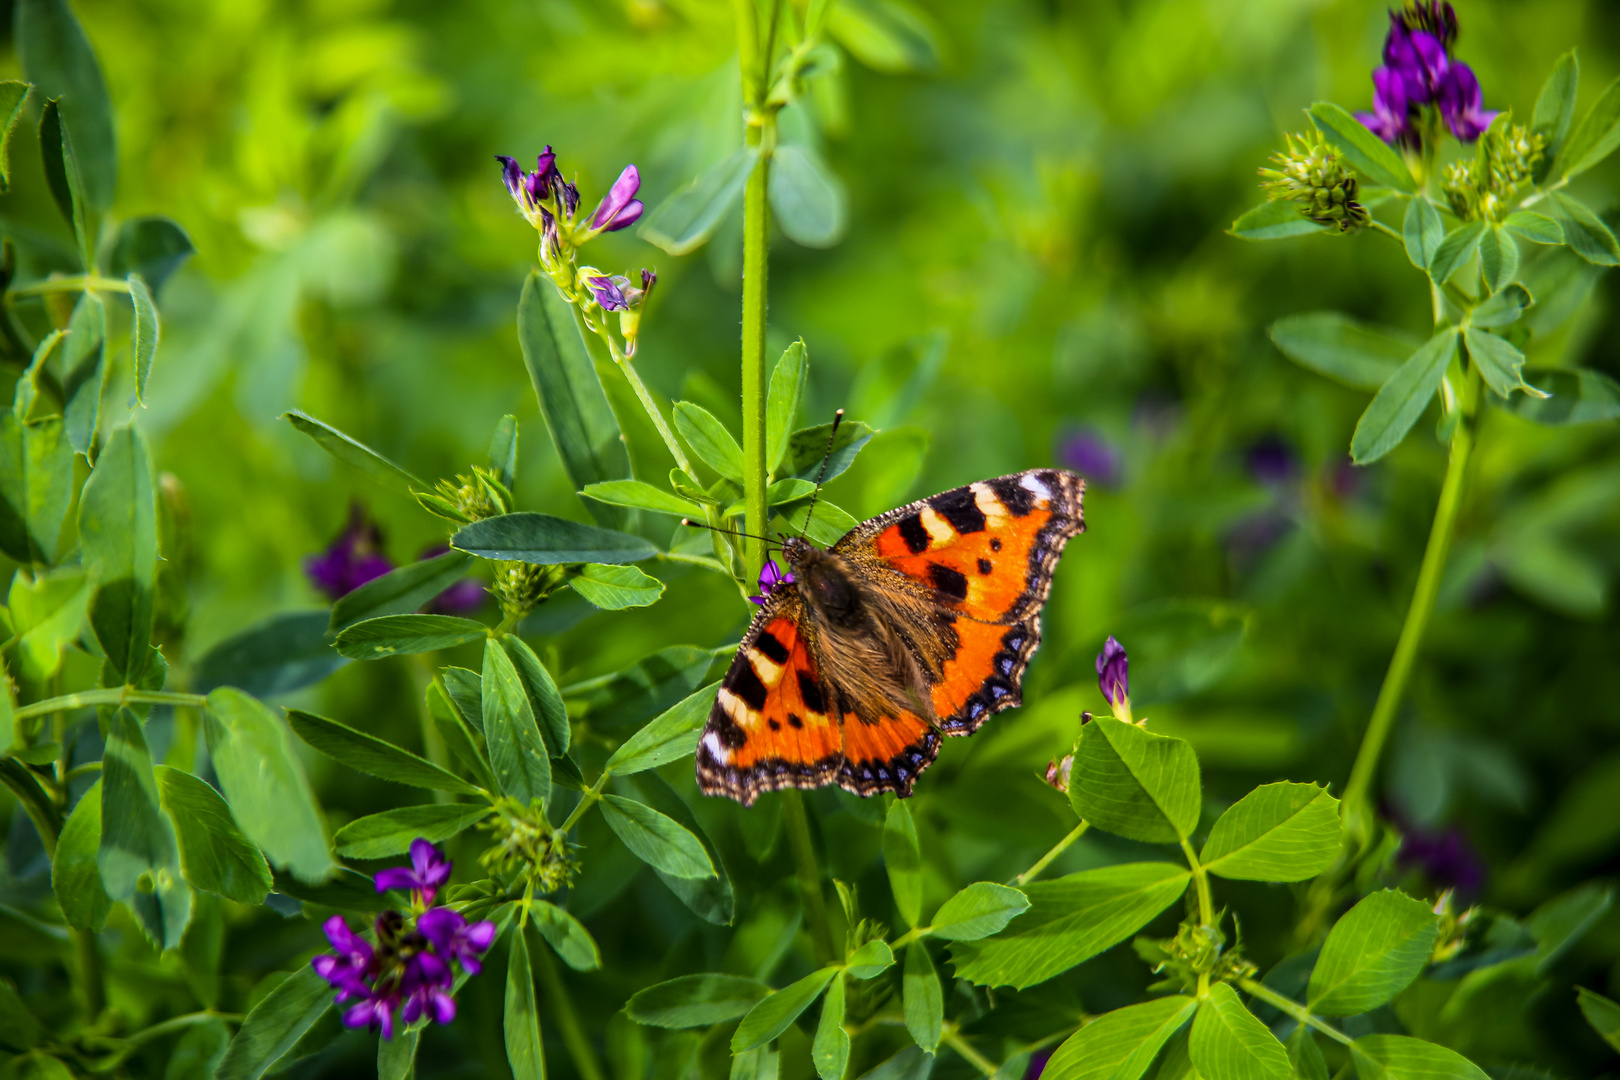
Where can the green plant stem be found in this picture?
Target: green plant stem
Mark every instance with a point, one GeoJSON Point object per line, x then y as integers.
{"type": "Point", "coordinates": [756, 224]}
{"type": "Point", "coordinates": [809, 874]}
{"type": "Point", "coordinates": [1294, 1009]}
{"type": "Point", "coordinates": [624, 364]}
{"type": "Point", "coordinates": [955, 1041]}
{"type": "Point", "coordinates": [168, 1027]}
{"type": "Point", "coordinates": [589, 796]}
{"type": "Point", "coordinates": [1380, 227]}
{"type": "Point", "coordinates": [1057, 849]}
{"type": "Point", "coordinates": [579, 1047]}
{"type": "Point", "coordinates": [1357, 812]}
{"type": "Point", "coordinates": [123, 695]}
{"type": "Point", "coordinates": [1206, 903]}
{"type": "Point", "coordinates": [71, 283]}
{"type": "Point", "coordinates": [91, 981]}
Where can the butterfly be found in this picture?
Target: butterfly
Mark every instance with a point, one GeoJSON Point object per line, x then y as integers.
{"type": "Point", "coordinates": [916, 624]}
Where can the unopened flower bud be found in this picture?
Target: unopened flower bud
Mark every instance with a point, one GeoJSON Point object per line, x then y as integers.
{"type": "Point", "coordinates": [1486, 187]}
{"type": "Point", "coordinates": [1313, 173]}
{"type": "Point", "coordinates": [1114, 679]}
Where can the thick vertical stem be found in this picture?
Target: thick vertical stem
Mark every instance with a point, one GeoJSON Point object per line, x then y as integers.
{"type": "Point", "coordinates": [756, 222]}
{"type": "Point", "coordinates": [1357, 812]}
{"type": "Point", "coordinates": [91, 982]}
{"type": "Point", "coordinates": [809, 874]}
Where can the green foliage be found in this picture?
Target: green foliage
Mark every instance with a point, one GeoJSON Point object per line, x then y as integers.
{"type": "Point", "coordinates": [1135, 783]}
{"type": "Point", "coordinates": [1371, 954]}
{"type": "Point", "coordinates": [1277, 832]}
{"type": "Point", "coordinates": [1120, 1045]}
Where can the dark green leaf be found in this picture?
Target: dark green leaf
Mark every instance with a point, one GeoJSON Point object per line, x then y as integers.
{"type": "Point", "coordinates": [64, 178]}
{"type": "Point", "coordinates": [137, 838]}
{"type": "Point", "coordinates": [517, 753]}
{"type": "Point", "coordinates": [807, 199]}
{"type": "Point", "coordinates": [788, 380]}
{"type": "Point", "coordinates": [1277, 832]}
{"type": "Point", "coordinates": [1602, 1014]}
{"type": "Point", "coordinates": [1132, 782]}
{"type": "Point", "coordinates": [384, 835]}
{"type": "Point", "coordinates": [772, 1016]}
{"type": "Point", "coordinates": [978, 911]}
{"type": "Point", "coordinates": [12, 96]}
{"type": "Point", "coordinates": [345, 890]}
{"type": "Point", "coordinates": [396, 1057]}
{"type": "Point", "coordinates": [1354, 353]}
{"type": "Point", "coordinates": [1423, 231]}
{"type": "Point", "coordinates": [392, 635]}
{"type": "Point", "coordinates": [1555, 107]}
{"type": "Point", "coordinates": [264, 783]}
{"type": "Point", "coordinates": [283, 653]}
{"type": "Point", "coordinates": [400, 591]}
{"type": "Point", "coordinates": [709, 440]}
{"type": "Point", "coordinates": [696, 1001]}
{"type": "Point", "coordinates": [1498, 360]}
{"type": "Point", "coordinates": [1456, 249]}
{"type": "Point", "coordinates": [466, 690]}
{"type": "Point", "coordinates": [503, 450]}
{"type": "Point", "coordinates": [1536, 228]}
{"type": "Point", "coordinates": [36, 482]}
{"type": "Point", "coordinates": [1502, 308]}
{"type": "Point", "coordinates": [1585, 232]}
{"type": "Point", "coordinates": [582, 425]}
{"type": "Point", "coordinates": [1577, 396]}
{"type": "Point", "coordinates": [1372, 953]}
{"type": "Point", "coordinates": [75, 874]}
{"type": "Point", "coordinates": [549, 541]}
{"type": "Point", "coordinates": [682, 222]}
{"type": "Point", "coordinates": [1402, 399]}
{"type": "Point", "coordinates": [47, 614]}
{"type": "Point", "coordinates": [1596, 136]}
{"type": "Point", "coordinates": [903, 860]}
{"type": "Point", "coordinates": [58, 60]}
{"type": "Point", "coordinates": [924, 1000]}
{"type": "Point", "coordinates": [1228, 1043]}
{"type": "Point", "coordinates": [84, 372]}
{"type": "Point", "coordinates": [1401, 1057]}
{"type": "Point", "coordinates": [216, 856]}
{"type": "Point", "coordinates": [1305, 1056]}
{"type": "Point", "coordinates": [153, 247]}
{"type": "Point", "coordinates": [1120, 1045]}
{"type": "Point", "coordinates": [544, 699]}
{"type": "Point", "coordinates": [655, 839]}
{"type": "Point", "coordinates": [710, 898]}
{"type": "Point", "coordinates": [1274, 220]}
{"type": "Point", "coordinates": [459, 738]}
{"type": "Point", "coordinates": [1498, 257]}
{"type": "Point", "coordinates": [885, 35]}
{"type": "Point", "coordinates": [807, 449]}
{"type": "Point", "coordinates": [524, 1051]}
{"type": "Point", "coordinates": [274, 1025]}
{"type": "Point", "coordinates": [352, 452]}
{"type": "Point", "coordinates": [671, 737]}
{"type": "Point", "coordinates": [20, 1029]}
{"type": "Point", "coordinates": [642, 496]}
{"type": "Point", "coordinates": [1562, 921]}
{"type": "Point", "coordinates": [145, 334]}
{"type": "Point", "coordinates": [373, 756]}
{"type": "Point", "coordinates": [1365, 150]}
{"type": "Point", "coordinates": [912, 1063]}
{"type": "Point", "coordinates": [825, 523]}
{"type": "Point", "coordinates": [566, 935]}
{"type": "Point", "coordinates": [830, 1051]}
{"type": "Point", "coordinates": [614, 588]}
{"type": "Point", "coordinates": [626, 699]}
{"type": "Point", "coordinates": [1070, 920]}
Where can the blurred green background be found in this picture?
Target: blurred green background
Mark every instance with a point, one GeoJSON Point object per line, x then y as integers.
{"type": "Point", "coordinates": [1035, 251]}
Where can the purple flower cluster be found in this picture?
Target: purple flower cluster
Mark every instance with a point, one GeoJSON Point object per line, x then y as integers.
{"type": "Point", "coordinates": [410, 971]}
{"type": "Point", "coordinates": [1419, 71]}
{"type": "Point", "coordinates": [615, 293]}
{"type": "Point", "coordinates": [356, 557]}
{"type": "Point", "coordinates": [543, 195]}
{"type": "Point", "coordinates": [1091, 455]}
{"type": "Point", "coordinates": [771, 578]}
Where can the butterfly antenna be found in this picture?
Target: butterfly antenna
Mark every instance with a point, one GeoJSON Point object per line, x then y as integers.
{"type": "Point", "coordinates": [689, 523]}
{"type": "Point", "coordinates": [838, 418]}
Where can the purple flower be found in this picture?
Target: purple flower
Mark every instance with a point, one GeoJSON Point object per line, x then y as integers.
{"type": "Point", "coordinates": [425, 983]}
{"type": "Point", "coordinates": [771, 578]}
{"type": "Point", "coordinates": [349, 969]}
{"type": "Point", "coordinates": [1445, 857]}
{"type": "Point", "coordinates": [377, 1011]}
{"type": "Point", "coordinates": [619, 208]}
{"type": "Point", "coordinates": [351, 560]}
{"type": "Point", "coordinates": [428, 870]}
{"type": "Point", "coordinates": [1391, 118]}
{"type": "Point", "coordinates": [649, 278]}
{"type": "Point", "coordinates": [1462, 104]}
{"type": "Point", "coordinates": [1037, 1064]}
{"type": "Point", "coordinates": [1418, 60]}
{"type": "Point", "coordinates": [530, 189]}
{"type": "Point", "coordinates": [1113, 675]}
{"type": "Point", "coordinates": [1435, 16]}
{"type": "Point", "coordinates": [1271, 461]}
{"type": "Point", "coordinates": [453, 938]}
{"type": "Point", "coordinates": [609, 291]}
{"type": "Point", "coordinates": [1092, 456]}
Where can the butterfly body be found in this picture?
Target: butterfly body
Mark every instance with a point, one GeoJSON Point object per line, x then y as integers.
{"type": "Point", "coordinates": [916, 624]}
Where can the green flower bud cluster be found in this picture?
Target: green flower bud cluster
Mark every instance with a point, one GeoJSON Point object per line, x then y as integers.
{"type": "Point", "coordinates": [1195, 950]}
{"type": "Point", "coordinates": [467, 499]}
{"type": "Point", "coordinates": [521, 586]}
{"type": "Point", "coordinates": [524, 845]}
{"type": "Point", "coordinates": [1313, 173]}
{"type": "Point", "coordinates": [1486, 187]}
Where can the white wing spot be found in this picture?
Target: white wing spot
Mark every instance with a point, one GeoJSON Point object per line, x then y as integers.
{"type": "Point", "coordinates": [719, 752]}
{"type": "Point", "coordinates": [1031, 482]}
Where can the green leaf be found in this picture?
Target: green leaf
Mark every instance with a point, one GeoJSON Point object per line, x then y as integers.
{"type": "Point", "coordinates": [870, 960]}
{"type": "Point", "coordinates": [807, 448]}
{"type": "Point", "coordinates": [655, 839]}
{"type": "Point", "coordinates": [1498, 360]}
{"type": "Point", "coordinates": [1536, 228]}
{"type": "Point", "coordinates": [1584, 231]}
{"type": "Point", "coordinates": [352, 452]}
{"type": "Point", "coordinates": [978, 911]}
{"type": "Point", "coordinates": [1277, 832]}
{"type": "Point", "coordinates": [903, 860]}
{"type": "Point", "coordinates": [396, 1057]}
{"type": "Point", "coordinates": [696, 1001]}
{"type": "Point", "coordinates": [1305, 1056]}
{"type": "Point", "coordinates": [400, 591]}
{"type": "Point", "coordinates": [58, 60]}
{"type": "Point", "coordinates": [1402, 399]}
{"type": "Point", "coordinates": [885, 35]}
{"type": "Point", "coordinates": [1274, 219]}
{"type": "Point", "coordinates": [1602, 1014]}
{"type": "Point", "coordinates": [710, 898]}
{"type": "Point", "coordinates": [153, 247]}
{"type": "Point", "coordinates": [263, 782]}
{"type": "Point", "coordinates": [20, 1029]}
{"type": "Point", "coordinates": [549, 541]}
{"type": "Point", "coordinates": [393, 635]}
{"type": "Point", "coordinates": [47, 614]}
{"type": "Point", "coordinates": [85, 373]}
{"type": "Point", "coordinates": [682, 222]}
{"type": "Point", "coordinates": [524, 1051]}
{"type": "Point", "coordinates": [1372, 953]}
{"type": "Point", "coordinates": [1120, 1045]}
{"type": "Point", "coordinates": [381, 836]}
{"type": "Point", "coordinates": [75, 874]}
{"type": "Point", "coordinates": [1423, 231]}
{"type": "Point", "coordinates": [1365, 150]}
{"type": "Point", "coordinates": [1134, 783]}
{"type": "Point", "coordinates": [709, 440]}
{"type": "Point", "coordinates": [783, 492]}
{"type": "Point", "coordinates": [373, 756]}
{"type": "Point", "coordinates": [772, 1016]}
{"type": "Point", "coordinates": [503, 450]}
{"type": "Point", "coordinates": [642, 496]}
{"type": "Point", "coordinates": [1498, 257]}
{"type": "Point", "coordinates": [1502, 308]}
{"type": "Point", "coordinates": [807, 199]}
{"type": "Point", "coordinates": [581, 422]}
{"type": "Point", "coordinates": [1357, 354]}
{"type": "Point", "coordinates": [1456, 249]}
{"type": "Point", "coordinates": [137, 838]}
{"type": "Point", "coordinates": [545, 701]}
{"type": "Point", "coordinates": [566, 935]}
{"type": "Point", "coordinates": [1070, 920]}
{"type": "Point", "coordinates": [1596, 136]}
{"type": "Point", "coordinates": [825, 523]}
{"type": "Point", "coordinates": [464, 745]}
{"type": "Point", "coordinates": [283, 653]}
{"type": "Point", "coordinates": [216, 857]}
{"type": "Point", "coordinates": [830, 1051]}
{"type": "Point", "coordinates": [1228, 1043]}
{"type": "Point", "coordinates": [345, 890]}
{"type": "Point", "coordinates": [1555, 107]}
{"type": "Point", "coordinates": [1562, 921]}
{"type": "Point", "coordinates": [517, 753]}
{"type": "Point", "coordinates": [145, 335]}
{"type": "Point", "coordinates": [465, 689]}
{"type": "Point", "coordinates": [274, 1025]}
{"type": "Point", "coordinates": [788, 380]}
{"type": "Point", "coordinates": [64, 178]}
{"type": "Point", "coordinates": [614, 588]}
{"type": "Point", "coordinates": [671, 737]}
{"type": "Point", "coordinates": [36, 483]}
{"type": "Point", "coordinates": [923, 998]}
{"type": "Point", "coordinates": [1401, 1057]}
{"type": "Point", "coordinates": [12, 95]}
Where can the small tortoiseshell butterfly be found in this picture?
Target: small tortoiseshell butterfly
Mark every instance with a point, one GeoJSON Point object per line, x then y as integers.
{"type": "Point", "coordinates": [918, 623]}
